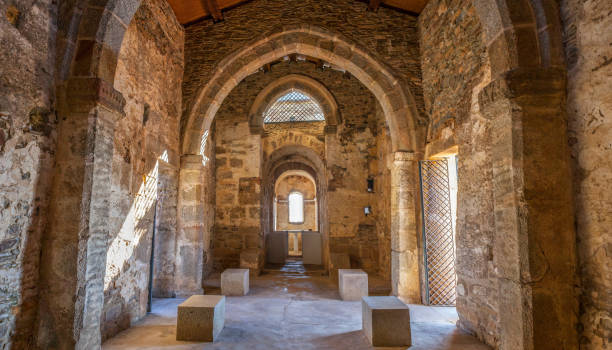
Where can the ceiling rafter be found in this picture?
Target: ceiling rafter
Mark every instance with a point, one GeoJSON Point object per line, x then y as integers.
{"type": "Point", "coordinates": [189, 11]}
{"type": "Point", "coordinates": [213, 8]}
{"type": "Point", "coordinates": [373, 5]}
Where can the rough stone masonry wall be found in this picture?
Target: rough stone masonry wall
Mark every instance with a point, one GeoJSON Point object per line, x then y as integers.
{"type": "Point", "coordinates": [27, 145]}
{"type": "Point", "coordinates": [588, 45]}
{"type": "Point", "coordinates": [387, 33]}
{"type": "Point", "coordinates": [237, 186]}
{"type": "Point", "coordinates": [145, 165]}
{"type": "Point", "coordinates": [350, 155]}
{"type": "Point", "coordinates": [379, 169]}
{"type": "Point", "coordinates": [455, 69]}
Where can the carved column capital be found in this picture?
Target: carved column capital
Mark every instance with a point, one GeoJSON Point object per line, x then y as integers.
{"type": "Point", "coordinates": [82, 94]}
{"type": "Point", "coordinates": [404, 156]}
{"type": "Point", "coordinates": [191, 161]}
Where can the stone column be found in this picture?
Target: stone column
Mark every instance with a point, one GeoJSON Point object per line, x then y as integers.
{"type": "Point", "coordinates": [535, 243]}
{"type": "Point", "coordinates": [165, 231]}
{"type": "Point", "coordinates": [74, 246]}
{"type": "Point", "coordinates": [405, 280]}
{"type": "Point", "coordinates": [189, 240]}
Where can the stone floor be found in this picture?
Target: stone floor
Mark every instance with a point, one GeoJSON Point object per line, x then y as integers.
{"type": "Point", "coordinates": [286, 309]}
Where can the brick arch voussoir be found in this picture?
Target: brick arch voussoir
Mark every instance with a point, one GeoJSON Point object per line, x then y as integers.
{"type": "Point", "coordinates": [394, 96]}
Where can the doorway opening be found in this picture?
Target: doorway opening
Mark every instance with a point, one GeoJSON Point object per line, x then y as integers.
{"type": "Point", "coordinates": [295, 209]}
{"type": "Point", "coordinates": [439, 189]}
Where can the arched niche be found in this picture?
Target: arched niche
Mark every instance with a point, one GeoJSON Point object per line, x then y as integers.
{"type": "Point", "coordinates": [295, 159]}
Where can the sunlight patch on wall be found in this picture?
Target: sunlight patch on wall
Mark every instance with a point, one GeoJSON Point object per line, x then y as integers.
{"type": "Point", "coordinates": [137, 223]}
{"type": "Point", "coordinates": [203, 148]}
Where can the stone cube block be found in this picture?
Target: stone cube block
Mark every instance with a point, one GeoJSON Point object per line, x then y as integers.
{"type": "Point", "coordinates": [200, 318]}
{"type": "Point", "coordinates": [353, 284]}
{"type": "Point", "coordinates": [235, 282]}
{"type": "Point", "coordinates": [386, 321]}
{"type": "Point", "coordinates": [338, 261]}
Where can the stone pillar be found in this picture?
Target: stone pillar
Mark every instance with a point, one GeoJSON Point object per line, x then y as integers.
{"type": "Point", "coordinates": [405, 280]}
{"type": "Point", "coordinates": [73, 258]}
{"type": "Point", "coordinates": [535, 245]}
{"type": "Point", "coordinates": [165, 231]}
{"type": "Point", "coordinates": [189, 240]}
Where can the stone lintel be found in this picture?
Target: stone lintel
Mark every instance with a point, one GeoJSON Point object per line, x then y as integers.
{"type": "Point", "coordinates": [85, 93]}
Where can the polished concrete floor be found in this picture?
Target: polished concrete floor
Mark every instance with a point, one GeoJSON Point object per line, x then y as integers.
{"type": "Point", "coordinates": [289, 309]}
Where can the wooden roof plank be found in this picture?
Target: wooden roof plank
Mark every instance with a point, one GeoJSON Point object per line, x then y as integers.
{"type": "Point", "coordinates": [187, 11]}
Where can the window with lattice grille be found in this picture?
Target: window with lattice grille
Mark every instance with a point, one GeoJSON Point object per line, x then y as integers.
{"type": "Point", "coordinates": [294, 106]}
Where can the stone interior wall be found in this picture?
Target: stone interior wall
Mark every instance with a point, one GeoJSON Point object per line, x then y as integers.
{"type": "Point", "coordinates": [455, 69]}
{"type": "Point", "coordinates": [588, 46]}
{"type": "Point", "coordinates": [379, 169]}
{"type": "Point", "coordinates": [351, 155]}
{"type": "Point", "coordinates": [27, 148]}
{"type": "Point", "coordinates": [307, 188]}
{"type": "Point", "coordinates": [395, 41]}
{"type": "Point", "coordinates": [145, 165]}
{"type": "Point", "coordinates": [237, 185]}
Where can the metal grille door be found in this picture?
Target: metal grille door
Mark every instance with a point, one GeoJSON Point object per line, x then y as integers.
{"type": "Point", "coordinates": [438, 232]}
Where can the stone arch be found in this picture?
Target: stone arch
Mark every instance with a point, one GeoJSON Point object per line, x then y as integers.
{"type": "Point", "coordinates": [521, 34]}
{"type": "Point", "coordinates": [102, 27]}
{"type": "Point", "coordinates": [300, 158]}
{"type": "Point", "coordinates": [525, 101]}
{"type": "Point", "coordinates": [393, 94]}
{"type": "Point", "coordinates": [306, 84]}
{"type": "Point", "coordinates": [69, 312]}
{"type": "Point", "coordinates": [301, 173]}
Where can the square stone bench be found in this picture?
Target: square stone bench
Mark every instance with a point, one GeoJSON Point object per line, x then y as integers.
{"type": "Point", "coordinates": [386, 321]}
{"type": "Point", "coordinates": [200, 318]}
{"type": "Point", "coordinates": [235, 282]}
{"type": "Point", "coordinates": [353, 284]}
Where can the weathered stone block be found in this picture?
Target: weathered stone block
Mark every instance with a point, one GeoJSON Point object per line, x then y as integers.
{"type": "Point", "coordinates": [251, 259]}
{"type": "Point", "coordinates": [311, 248]}
{"type": "Point", "coordinates": [277, 246]}
{"type": "Point", "coordinates": [386, 321]}
{"type": "Point", "coordinates": [235, 282]}
{"type": "Point", "coordinates": [200, 318]}
{"type": "Point", "coordinates": [338, 261]}
{"type": "Point", "coordinates": [353, 284]}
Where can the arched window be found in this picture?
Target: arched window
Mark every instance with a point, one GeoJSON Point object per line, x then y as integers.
{"type": "Point", "coordinates": [296, 208]}
{"type": "Point", "coordinates": [294, 106]}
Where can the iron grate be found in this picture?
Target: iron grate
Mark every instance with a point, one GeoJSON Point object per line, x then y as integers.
{"type": "Point", "coordinates": [294, 106]}
{"type": "Point", "coordinates": [438, 233]}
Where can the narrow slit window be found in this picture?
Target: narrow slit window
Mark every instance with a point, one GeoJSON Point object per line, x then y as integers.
{"type": "Point", "coordinates": [296, 208]}
{"type": "Point", "coordinates": [294, 106]}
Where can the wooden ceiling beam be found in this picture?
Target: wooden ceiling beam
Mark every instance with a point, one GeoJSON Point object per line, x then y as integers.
{"type": "Point", "coordinates": [189, 11]}
{"type": "Point", "coordinates": [213, 8]}
{"type": "Point", "coordinates": [373, 5]}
